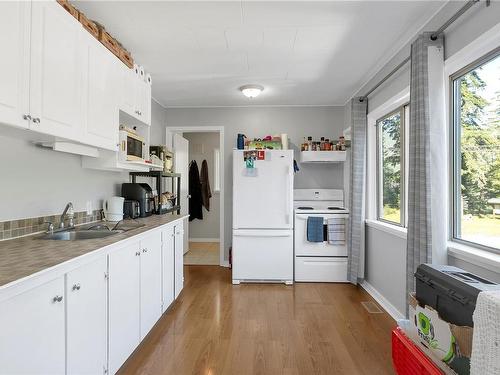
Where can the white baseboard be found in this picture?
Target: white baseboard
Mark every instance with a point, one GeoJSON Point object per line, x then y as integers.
{"type": "Point", "coordinates": [382, 301]}
{"type": "Point", "coordinates": [204, 240]}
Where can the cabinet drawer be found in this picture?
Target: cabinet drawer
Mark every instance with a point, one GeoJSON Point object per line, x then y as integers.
{"type": "Point", "coordinates": [321, 269]}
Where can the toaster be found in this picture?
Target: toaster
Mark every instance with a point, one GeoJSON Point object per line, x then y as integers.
{"type": "Point", "coordinates": [131, 209]}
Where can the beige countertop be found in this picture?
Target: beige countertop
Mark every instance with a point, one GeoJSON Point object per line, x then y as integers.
{"type": "Point", "coordinates": [25, 256]}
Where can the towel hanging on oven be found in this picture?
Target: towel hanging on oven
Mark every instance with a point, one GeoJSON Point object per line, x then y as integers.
{"type": "Point", "coordinates": [336, 231]}
{"type": "Point", "coordinates": [315, 229]}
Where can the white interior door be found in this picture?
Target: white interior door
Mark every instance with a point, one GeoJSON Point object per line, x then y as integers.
{"type": "Point", "coordinates": [181, 165]}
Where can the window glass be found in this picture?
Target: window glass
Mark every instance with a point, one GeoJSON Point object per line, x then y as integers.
{"type": "Point", "coordinates": [390, 165]}
{"type": "Point", "coordinates": [476, 115]}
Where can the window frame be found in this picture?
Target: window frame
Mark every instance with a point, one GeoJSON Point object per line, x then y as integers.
{"type": "Point", "coordinates": [403, 111]}
{"type": "Point", "coordinates": [455, 157]}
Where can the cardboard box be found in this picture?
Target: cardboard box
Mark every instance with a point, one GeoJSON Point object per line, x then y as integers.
{"type": "Point", "coordinates": [449, 343]}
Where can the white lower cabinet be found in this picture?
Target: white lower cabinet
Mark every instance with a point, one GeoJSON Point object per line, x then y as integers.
{"type": "Point", "coordinates": [93, 317]}
{"type": "Point", "coordinates": [168, 266]}
{"type": "Point", "coordinates": [32, 331]}
{"type": "Point", "coordinates": [86, 298]}
{"type": "Point", "coordinates": [123, 302]}
{"type": "Point", "coordinates": [150, 260]}
{"type": "Point", "coordinates": [179, 258]}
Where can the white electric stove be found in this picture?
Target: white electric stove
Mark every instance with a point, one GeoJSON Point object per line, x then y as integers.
{"type": "Point", "coordinates": [324, 261]}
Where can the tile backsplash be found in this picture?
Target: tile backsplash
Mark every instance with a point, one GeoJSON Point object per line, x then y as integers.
{"type": "Point", "coordinates": [22, 227]}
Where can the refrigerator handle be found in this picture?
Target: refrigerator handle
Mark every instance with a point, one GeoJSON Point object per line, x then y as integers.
{"type": "Point", "coordinates": [287, 196]}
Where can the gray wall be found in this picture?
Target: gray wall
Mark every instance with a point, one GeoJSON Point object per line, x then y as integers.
{"type": "Point", "coordinates": [202, 146]}
{"type": "Point", "coordinates": [386, 253]}
{"type": "Point", "coordinates": [38, 182]}
{"type": "Point", "coordinates": [297, 122]}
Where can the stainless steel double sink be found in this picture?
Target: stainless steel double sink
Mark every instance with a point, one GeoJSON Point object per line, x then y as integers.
{"type": "Point", "coordinates": [92, 232]}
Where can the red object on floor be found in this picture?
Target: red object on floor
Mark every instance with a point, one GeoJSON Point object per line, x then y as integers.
{"type": "Point", "coordinates": [408, 359]}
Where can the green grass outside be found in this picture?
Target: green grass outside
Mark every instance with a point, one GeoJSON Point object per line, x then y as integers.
{"type": "Point", "coordinates": [481, 225]}
{"type": "Point", "coordinates": [392, 214]}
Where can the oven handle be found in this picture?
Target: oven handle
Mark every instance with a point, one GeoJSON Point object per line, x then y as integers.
{"type": "Point", "coordinates": [261, 233]}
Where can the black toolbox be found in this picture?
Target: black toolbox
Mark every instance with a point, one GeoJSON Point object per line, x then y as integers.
{"type": "Point", "coordinates": [451, 291]}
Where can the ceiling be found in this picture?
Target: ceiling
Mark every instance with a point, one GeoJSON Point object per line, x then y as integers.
{"type": "Point", "coordinates": [303, 53]}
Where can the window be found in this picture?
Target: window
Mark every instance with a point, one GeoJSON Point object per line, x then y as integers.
{"type": "Point", "coordinates": [216, 170]}
{"type": "Point", "coordinates": [391, 168]}
{"type": "Point", "coordinates": [476, 153]}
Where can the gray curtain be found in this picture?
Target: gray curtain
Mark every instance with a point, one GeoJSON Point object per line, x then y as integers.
{"type": "Point", "coordinates": [420, 238]}
{"type": "Point", "coordinates": [356, 231]}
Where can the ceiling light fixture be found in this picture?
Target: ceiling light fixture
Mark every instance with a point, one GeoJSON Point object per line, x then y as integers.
{"type": "Point", "coordinates": [251, 91]}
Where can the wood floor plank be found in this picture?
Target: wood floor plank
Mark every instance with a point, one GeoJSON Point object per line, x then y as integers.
{"type": "Point", "coordinates": [216, 328]}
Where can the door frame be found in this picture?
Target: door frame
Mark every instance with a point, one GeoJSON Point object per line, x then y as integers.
{"type": "Point", "coordinates": [210, 129]}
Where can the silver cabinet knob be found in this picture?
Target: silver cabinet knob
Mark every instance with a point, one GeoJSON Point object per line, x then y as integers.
{"type": "Point", "coordinates": [76, 287]}
{"type": "Point", "coordinates": [27, 117]}
{"type": "Point", "coordinates": [57, 299]}
{"type": "Point", "coordinates": [36, 120]}
{"type": "Point", "coordinates": [144, 250]}
{"type": "Point", "coordinates": [138, 253]}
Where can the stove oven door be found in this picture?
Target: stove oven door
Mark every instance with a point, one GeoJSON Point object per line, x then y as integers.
{"type": "Point", "coordinates": [305, 248]}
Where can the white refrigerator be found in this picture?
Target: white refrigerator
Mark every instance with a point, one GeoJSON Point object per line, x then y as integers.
{"type": "Point", "coordinates": [262, 216]}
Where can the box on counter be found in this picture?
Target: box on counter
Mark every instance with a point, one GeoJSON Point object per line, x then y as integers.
{"type": "Point", "coordinates": [447, 342]}
{"type": "Point", "coordinates": [265, 145]}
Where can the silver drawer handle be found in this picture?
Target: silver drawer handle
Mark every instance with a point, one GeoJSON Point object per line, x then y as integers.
{"type": "Point", "coordinates": [27, 117]}
{"type": "Point", "coordinates": [57, 299]}
{"type": "Point", "coordinates": [36, 120]}
{"type": "Point", "coordinates": [76, 287]}
{"type": "Point", "coordinates": [137, 253]}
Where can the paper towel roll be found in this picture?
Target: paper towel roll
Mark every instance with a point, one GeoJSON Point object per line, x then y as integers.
{"type": "Point", "coordinates": [284, 141]}
{"type": "Point", "coordinates": [149, 80]}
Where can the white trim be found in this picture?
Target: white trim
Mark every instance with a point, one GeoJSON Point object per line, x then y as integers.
{"type": "Point", "coordinates": [388, 228]}
{"type": "Point", "coordinates": [388, 106]}
{"type": "Point", "coordinates": [480, 46]}
{"type": "Point", "coordinates": [382, 301]}
{"type": "Point", "coordinates": [206, 239]}
{"type": "Point", "coordinates": [225, 264]}
{"type": "Point", "coordinates": [478, 257]}
{"type": "Point", "coordinates": [210, 129]}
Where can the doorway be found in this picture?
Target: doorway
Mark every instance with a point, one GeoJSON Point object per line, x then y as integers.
{"type": "Point", "coordinates": [199, 152]}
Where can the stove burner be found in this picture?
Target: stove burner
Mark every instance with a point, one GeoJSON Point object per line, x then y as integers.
{"type": "Point", "coordinates": [304, 208]}
{"type": "Point", "coordinates": [335, 208]}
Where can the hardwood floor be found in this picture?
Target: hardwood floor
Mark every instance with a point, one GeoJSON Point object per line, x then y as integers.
{"type": "Point", "coordinates": [217, 328]}
{"type": "Point", "coordinates": [202, 253]}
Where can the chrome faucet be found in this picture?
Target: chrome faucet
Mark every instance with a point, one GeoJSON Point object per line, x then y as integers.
{"type": "Point", "coordinates": [71, 213]}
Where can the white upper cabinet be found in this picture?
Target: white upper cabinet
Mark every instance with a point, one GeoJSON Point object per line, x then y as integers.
{"type": "Point", "coordinates": [32, 331]}
{"type": "Point", "coordinates": [14, 63]}
{"type": "Point", "coordinates": [101, 81]}
{"type": "Point", "coordinates": [56, 71]}
{"type": "Point", "coordinates": [86, 291]}
{"type": "Point", "coordinates": [135, 96]}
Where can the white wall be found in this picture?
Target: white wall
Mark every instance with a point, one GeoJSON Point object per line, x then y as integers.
{"type": "Point", "coordinates": [202, 146]}
{"type": "Point", "coordinates": [260, 121]}
{"type": "Point", "coordinates": [386, 252]}
{"type": "Point", "coordinates": [39, 182]}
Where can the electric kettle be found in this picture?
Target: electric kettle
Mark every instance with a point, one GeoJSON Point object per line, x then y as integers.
{"type": "Point", "coordinates": [113, 208]}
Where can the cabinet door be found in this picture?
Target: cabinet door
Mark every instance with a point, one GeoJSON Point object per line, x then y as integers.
{"type": "Point", "coordinates": [127, 90]}
{"type": "Point", "coordinates": [140, 99]}
{"type": "Point", "coordinates": [150, 281]}
{"type": "Point", "coordinates": [86, 291]}
{"type": "Point", "coordinates": [101, 76]}
{"type": "Point", "coordinates": [123, 302]}
{"type": "Point", "coordinates": [14, 63]}
{"type": "Point", "coordinates": [56, 71]}
{"type": "Point", "coordinates": [168, 273]}
{"type": "Point", "coordinates": [179, 258]}
{"type": "Point", "coordinates": [147, 104]}
{"type": "Point", "coordinates": [32, 331]}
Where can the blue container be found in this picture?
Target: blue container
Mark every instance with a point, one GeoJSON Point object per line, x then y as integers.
{"type": "Point", "coordinates": [241, 142]}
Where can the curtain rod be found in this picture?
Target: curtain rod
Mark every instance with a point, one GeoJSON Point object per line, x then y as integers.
{"type": "Point", "coordinates": [434, 36]}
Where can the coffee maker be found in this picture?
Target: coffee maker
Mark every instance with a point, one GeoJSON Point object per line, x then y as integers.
{"type": "Point", "coordinates": [142, 193]}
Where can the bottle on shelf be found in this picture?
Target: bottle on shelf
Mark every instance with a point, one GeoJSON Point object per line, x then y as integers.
{"type": "Point", "coordinates": [322, 144]}
{"type": "Point", "coordinates": [327, 144]}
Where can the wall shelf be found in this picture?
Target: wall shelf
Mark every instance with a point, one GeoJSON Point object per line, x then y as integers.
{"type": "Point", "coordinates": [323, 156]}
{"type": "Point", "coordinates": [159, 176]}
